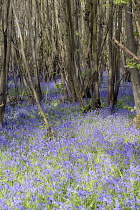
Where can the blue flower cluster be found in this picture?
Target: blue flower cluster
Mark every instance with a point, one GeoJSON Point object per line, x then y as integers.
{"type": "Point", "coordinates": [91, 163]}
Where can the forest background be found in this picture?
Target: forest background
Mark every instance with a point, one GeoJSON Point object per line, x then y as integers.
{"type": "Point", "coordinates": [60, 59]}
{"type": "Point", "coordinates": [76, 40]}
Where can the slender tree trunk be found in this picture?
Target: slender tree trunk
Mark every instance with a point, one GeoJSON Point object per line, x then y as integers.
{"type": "Point", "coordinates": [111, 73]}
{"type": "Point", "coordinates": [97, 102]}
{"type": "Point", "coordinates": [70, 53]}
{"type": "Point", "coordinates": [27, 70]}
{"type": "Point", "coordinates": [131, 45]}
{"type": "Point", "coordinates": [87, 48]}
{"type": "Point", "coordinates": [117, 53]}
{"type": "Point", "coordinates": [34, 41]}
{"type": "Point", "coordinates": [6, 48]}
{"type": "Point", "coordinates": [136, 12]}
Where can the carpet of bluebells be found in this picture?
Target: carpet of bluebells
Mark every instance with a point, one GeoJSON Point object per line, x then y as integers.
{"type": "Point", "coordinates": [92, 162]}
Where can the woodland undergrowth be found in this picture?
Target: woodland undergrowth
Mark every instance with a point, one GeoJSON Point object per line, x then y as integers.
{"type": "Point", "coordinates": [91, 162]}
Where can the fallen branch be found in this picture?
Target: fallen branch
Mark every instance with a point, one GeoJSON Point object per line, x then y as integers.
{"type": "Point", "coordinates": [126, 50]}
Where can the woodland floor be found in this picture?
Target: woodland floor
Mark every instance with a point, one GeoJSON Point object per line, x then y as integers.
{"type": "Point", "coordinates": [92, 162]}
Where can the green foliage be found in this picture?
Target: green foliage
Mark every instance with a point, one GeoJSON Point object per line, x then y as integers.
{"type": "Point", "coordinates": [121, 1]}
{"type": "Point", "coordinates": [136, 33]}
{"type": "Point", "coordinates": [87, 107]}
{"type": "Point", "coordinates": [77, 33]}
{"type": "Point", "coordinates": [60, 87]}
{"type": "Point", "coordinates": [55, 103]}
{"type": "Point", "coordinates": [130, 108]}
{"type": "Point", "coordinates": [103, 102]}
{"type": "Point", "coordinates": [84, 43]}
{"type": "Point", "coordinates": [106, 5]}
{"type": "Point", "coordinates": [39, 113]}
{"type": "Point", "coordinates": [131, 64]}
{"type": "Point", "coordinates": [122, 102]}
{"type": "Point", "coordinates": [79, 15]}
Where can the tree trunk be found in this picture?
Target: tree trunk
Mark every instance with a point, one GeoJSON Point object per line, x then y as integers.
{"type": "Point", "coordinates": [111, 72]}
{"type": "Point", "coordinates": [136, 12]}
{"type": "Point", "coordinates": [135, 73]}
{"type": "Point", "coordinates": [27, 69]}
{"type": "Point", "coordinates": [6, 47]}
{"type": "Point", "coordinates": [117, 53]}
{"type": "Point", "coordinates": [96, 102]}
{"type": "Point", "coordinates": [70, 67]}
{"type": "Point", "coordinates": [34, 41]}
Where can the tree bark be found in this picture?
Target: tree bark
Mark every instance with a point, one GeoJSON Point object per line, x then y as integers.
{"type": "Point", "coordinates": [111, 72]}
{"type": "Point", "coordinates": [6, 48]}
{"type": "Point", "coordinates": [70, 67]}
{"type": "Point", "coordinates": [135, 73]}
{"type": "Point", "coordinates": [128, 52]}
{"type": "Point", "coordinates": [96, 101]}
{"type": "Point", "coordinates": [27, 69]}
{"type": "Point", "coordinates": [34, 41]}
{"type": "Point", "coordinates": [117, 52]}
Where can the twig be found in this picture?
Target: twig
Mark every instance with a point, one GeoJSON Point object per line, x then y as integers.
{"type": "Point", "coordinates": [126, 50]}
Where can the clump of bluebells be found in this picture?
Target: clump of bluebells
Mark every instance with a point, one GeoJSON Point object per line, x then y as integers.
{"type": "Point", "coordinates": [91, 163]}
